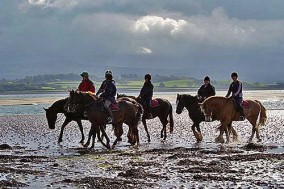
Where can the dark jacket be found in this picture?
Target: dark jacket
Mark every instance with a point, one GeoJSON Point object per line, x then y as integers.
{"type": "Point", "coordinates": [87, 85]}
{"type": "Point", "coordinates": [236, 89]}
{"type": "Point", "coordinates": [107, 90]}
{"type": "Point", "coordinates": [147, 91]}
{"type": "Point", "coordinates": [206, 91]}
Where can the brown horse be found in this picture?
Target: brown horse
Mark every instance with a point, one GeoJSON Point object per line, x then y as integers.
{"type": "Point", "coordinates": [225, 110]}
{"type": "Point", "coordinates": [162, 111]}
{"type": "Point", "coordinates": [127, 113]}
{"type": "Point", "coordinates": [191, 103]}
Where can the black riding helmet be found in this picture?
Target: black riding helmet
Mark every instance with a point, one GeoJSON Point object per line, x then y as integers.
{"type": "Point", "coordinates": [206, 78]}
{"type": "Point", "coordinates": [108, 75]}
{"type": "Point", "coordinates": [148, 76]}
{"type": "Point", "coordinates": [234, 74]}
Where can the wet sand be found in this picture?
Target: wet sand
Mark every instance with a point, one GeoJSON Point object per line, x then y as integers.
{"type": "Point", "coordinates": [32, 158]}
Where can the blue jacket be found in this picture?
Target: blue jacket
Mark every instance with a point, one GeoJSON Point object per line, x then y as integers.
{"type": "Point", "coordinates": [107, 90]}
{"type": "Point", "coordinates": [236, 89]}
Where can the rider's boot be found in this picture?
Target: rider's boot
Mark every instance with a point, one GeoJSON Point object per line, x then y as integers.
{"type": "Point", "coordinates": [110, 119]}
{"type": "Point", "coordinates": [242, 114]}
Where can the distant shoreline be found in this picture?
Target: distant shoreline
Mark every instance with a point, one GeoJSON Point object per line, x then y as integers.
{"type": "Point", "coordinates": [170, 95]}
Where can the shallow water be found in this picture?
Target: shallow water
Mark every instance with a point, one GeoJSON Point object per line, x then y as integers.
{"type": "Point", "coordinates": [38, 161]}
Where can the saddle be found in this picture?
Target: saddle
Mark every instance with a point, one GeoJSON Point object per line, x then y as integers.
{"type": "Point", "coordinates": [245, 104]}
{"type": "Point", "coordinates": [154, 103]}
{"type": "Point", "coordinates": [114, 107]}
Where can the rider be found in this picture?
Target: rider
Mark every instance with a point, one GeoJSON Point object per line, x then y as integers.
{"type": "Point", "coordinates": [86, 84]}
{"type": "Point", "coordinates": [206, 90]}
{"type": "Point", "coordinates": [237, 94]}
{"type": "Point", "coordinates": [146, 94]}
{"type": "Point", "coordinates": [107, 91]}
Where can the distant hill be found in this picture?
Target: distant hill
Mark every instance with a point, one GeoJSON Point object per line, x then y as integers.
{"type": "Point", "coordinates": [125, 82]}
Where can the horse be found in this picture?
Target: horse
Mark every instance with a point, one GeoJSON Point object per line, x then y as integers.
{"type": "Point", "coordinates": [225, 110]}
{"type": "Point", "coordinates": [58, 107]}
{"type": "Point", "coordinates": [191, 103]}
{"type": "Point", "coordinates": [126, 113]}
{"type": "Point", "coordinates": [162, 111]}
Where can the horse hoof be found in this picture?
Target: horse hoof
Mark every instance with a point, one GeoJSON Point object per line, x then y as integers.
{"type": "Point", "coordinates": [86, 145]}
{"type": "Point", "coordinates": [59, 140]}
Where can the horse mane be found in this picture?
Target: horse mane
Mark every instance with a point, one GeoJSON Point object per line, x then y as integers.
{"type": "Point", "coordinates": [124, 95]}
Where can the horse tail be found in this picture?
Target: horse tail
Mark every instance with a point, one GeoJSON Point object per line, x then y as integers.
{"type": "Point", "coordinates": [139, 112]}
{"type": "Point", "coordinates": [263, 114]}
{"type": "Point", "coordinates": [171, 119]}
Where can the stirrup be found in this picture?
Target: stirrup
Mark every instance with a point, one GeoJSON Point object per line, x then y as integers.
{"type": "Point", "coordinates": [242, 118]}
{"type": "Point", "coordinates": [109, 120]}
{"type": "Point", "coordinates": [150, 116]}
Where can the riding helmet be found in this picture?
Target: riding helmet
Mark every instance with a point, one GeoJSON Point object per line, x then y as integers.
{"type": "Point", "coordinates": [84, 74]}
{"type": "Point", "coordinates": [148, 76]}
{"type": "Point", "coordinates": [206, 78]}
{"type": "Point", "coordinates": [108, 72]}
{"type": "Point", "coordinates": [234, 74]}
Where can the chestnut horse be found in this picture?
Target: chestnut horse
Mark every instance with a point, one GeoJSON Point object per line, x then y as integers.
{"type": "Point", "coordinates": [127, 113]}
{"type": "Point", "coordinates": [162, 111]}
{"type": "Point", "coordinates": [225, 111]}
{"type": "Point", "coordinates": [191, 103]}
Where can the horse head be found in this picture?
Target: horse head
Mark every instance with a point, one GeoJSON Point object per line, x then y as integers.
{"type": "Point", "coordinates": [73, 101]}
{"type": "Point", "coordinates": [51, 117]}
{"type": "Point", "coordinates": [179, 103]}
{"type": "Point", "coordinates": [206, 110]}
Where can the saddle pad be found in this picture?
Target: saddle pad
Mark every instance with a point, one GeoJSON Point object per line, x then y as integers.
{"type": "Point", "coordinates": [245, 104]}
{"type": "Point", "coordinates": [114, 107]}
{"type": "Point", "coordinates": [154, 103]}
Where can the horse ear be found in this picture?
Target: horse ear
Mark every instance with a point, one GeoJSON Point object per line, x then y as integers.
{"type": "Point", "coordinates": [45, 108]}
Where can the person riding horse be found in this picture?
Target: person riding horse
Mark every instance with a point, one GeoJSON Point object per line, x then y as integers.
{"type": "Point", "coordinates": [236, 89]}
{"type": "Point", "coordinates": [107, 91]}
{"type": "Point", "coordinates": [86, 84]}
{"type": "Point", "coordinates": [206, 90]}
{"type": "Point", "coordinates": [146, 94]}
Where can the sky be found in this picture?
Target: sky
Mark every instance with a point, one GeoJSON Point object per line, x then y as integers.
{"type": "Point", "coordinates": [191, 38]}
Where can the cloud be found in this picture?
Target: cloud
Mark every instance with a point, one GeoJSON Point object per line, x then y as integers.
{"type": "Point", "coordinates": [162, 31]}
{"type": "Point", "coordinates": [144, 50]}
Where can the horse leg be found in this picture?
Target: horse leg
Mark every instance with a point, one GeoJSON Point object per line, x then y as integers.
{"type": "Point", "coordinates": [102, 129]}
{"type": "Point", "coordinates": [220, 137]}
{"type": "Point", "coordinates": [200, 137]}
{"type": "Point", "coordinates": [102, 136]}
{"type": "Point", "coordinates": [146, 129]}
{"type": "Point", "coordinates": [164, 122]}
{"type": "Point", "coordinates": [91, 133]}
{"type": "Point", "coordinates": [67, 120]}
{"type": "Point", "coordinates": [79, 122]}
{"type": "Point", "coordinates": [234, 132]}
{"type": "Point", "coordinates": [257, 134]}
{"type": "Point", "coordinates": [118, 131]}
{"type": "Point", "coordinates": [253, 120]}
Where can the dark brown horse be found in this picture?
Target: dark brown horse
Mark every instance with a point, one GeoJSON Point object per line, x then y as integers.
{"type": "Point", "coordinates": [225, 111]}
{"type": "Point", "coordinates": [162, 111]}
{"type": "Point", "coordinates": [58, 107]}
{"type": "Point", "coordinates": [127, 113]}
{"type": "Point", "coordinates": [191, 103]}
